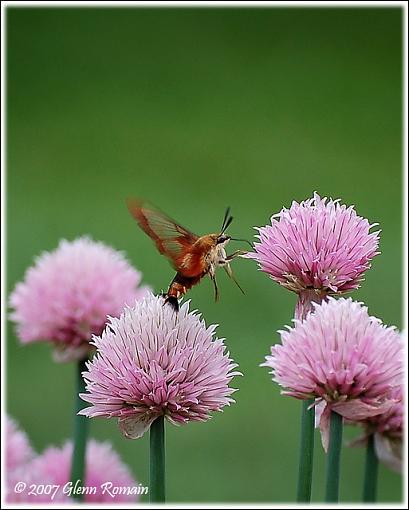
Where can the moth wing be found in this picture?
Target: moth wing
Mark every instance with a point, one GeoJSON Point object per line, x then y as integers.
{"type": "Point", "coordinates": [171, 239]}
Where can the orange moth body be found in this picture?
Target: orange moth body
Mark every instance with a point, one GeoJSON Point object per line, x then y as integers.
{"type": "Point", "coordinates": [192, 256]}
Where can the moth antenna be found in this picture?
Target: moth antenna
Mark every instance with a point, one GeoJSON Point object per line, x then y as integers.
{"type": "Point", "coordinates": [226, 225]}
{"type": "Point", "coordinates": [226, 215]}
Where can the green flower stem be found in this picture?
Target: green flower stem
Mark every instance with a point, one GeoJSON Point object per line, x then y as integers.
{"type": "Point", "coordinates": [80, 434]}
{"type": "Point", "coordinates": [371, 472]}
{"type": "Point", "coordinates": [334, 457]}
{"type": "Point", "coordinates": [306, 452]}
{"type": "Point", "coordinates": [157, 461]}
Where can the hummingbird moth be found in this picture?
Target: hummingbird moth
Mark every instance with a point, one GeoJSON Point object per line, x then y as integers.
{"type": "Point", "coordinates": [192, 256]}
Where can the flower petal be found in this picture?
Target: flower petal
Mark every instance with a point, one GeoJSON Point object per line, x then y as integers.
{"type": "Point", "coordinates": [64, 353]}
{"type": "Point", "coordinates": [356, 410]}
{"type": "Point", "coordinates": [389, 451]}
{"type": "Point", "coordinates": [324, 424]}
{"type": "Point", "coordinates": [134, 428]}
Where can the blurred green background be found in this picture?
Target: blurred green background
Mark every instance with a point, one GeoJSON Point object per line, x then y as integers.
{"type": "Point", "coordinates": [196, 110]}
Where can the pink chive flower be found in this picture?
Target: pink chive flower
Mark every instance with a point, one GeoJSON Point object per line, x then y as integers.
{"type": "Point", "coordinates": [105, 471]}
{"type": "Point", "coordinates": [19, 457]}
{"type": "Point", "coordinates": [153, 361]}
{"type": "Point", "coordinates": [66, 296]}
{"type": "Point", "coordinates": [388, 432]}
{"type": "Point", "coordinates": [316, 248]}
{"type": "Point", "coordinates": [345, 359]}
{"type": "Point", "coordinates": [18, 448]}
{"type": "Point", "coordinates": [391, 422]}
